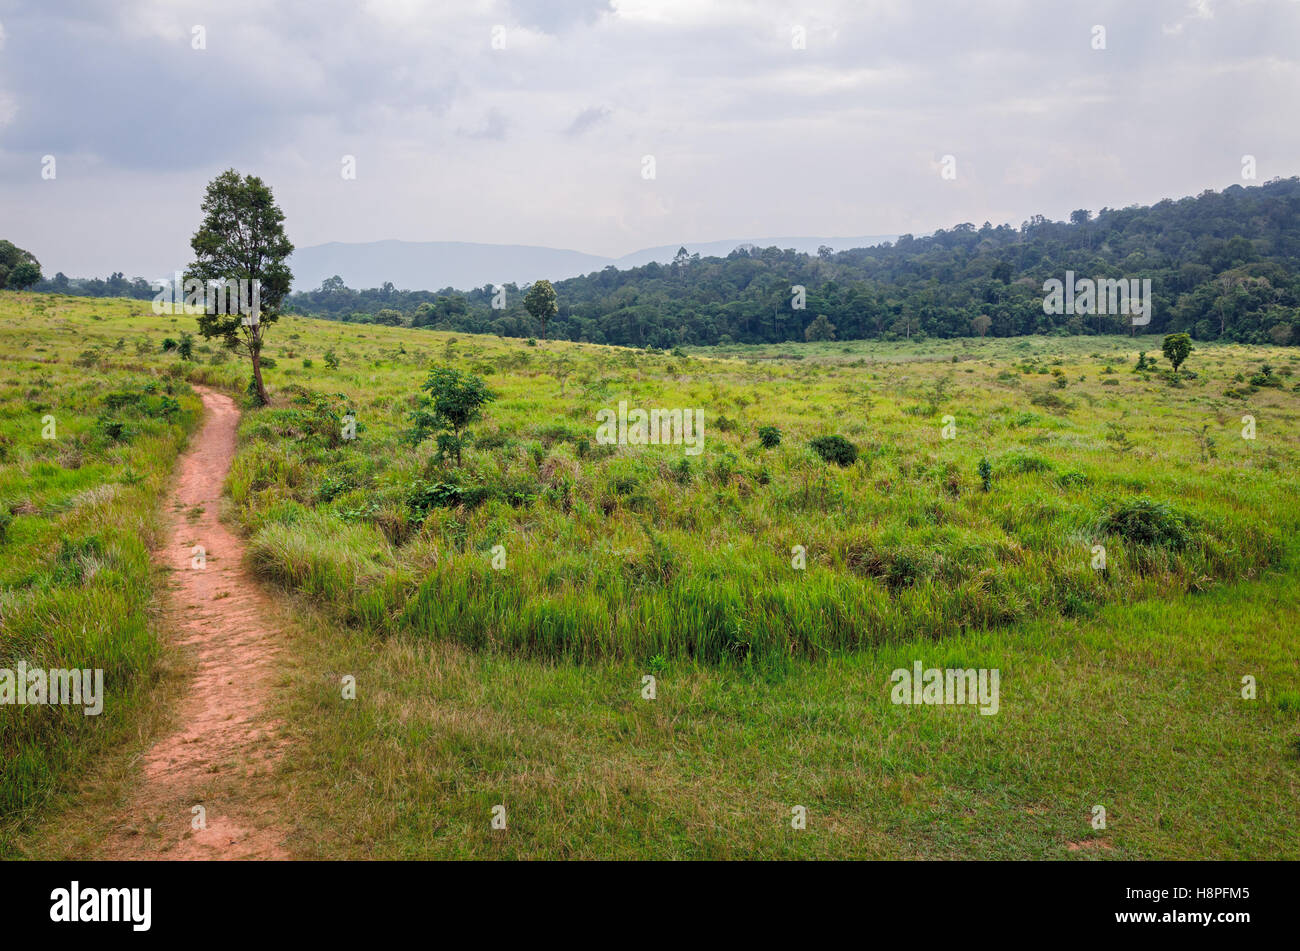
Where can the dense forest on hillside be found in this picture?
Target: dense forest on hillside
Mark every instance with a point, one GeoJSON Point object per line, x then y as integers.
{"type": "Point", "coordinates": [1223, 265]}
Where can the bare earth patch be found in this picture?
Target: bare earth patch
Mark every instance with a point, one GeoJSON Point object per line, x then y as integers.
{"type": "Point", "coordinates": [222, 745]}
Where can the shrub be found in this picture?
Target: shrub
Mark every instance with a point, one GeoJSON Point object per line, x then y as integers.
{"type": "Point", "coordinates": [425, 496]}
{"type": "Point", "coordinates": [321, 415]}
{"type": "Point", "coordinates": [1023, 462]}
{"type": "Point", "coordinates": [835, 449]}
{"type": "Point", "coordinates": [769, 436]}
{"type": "Point", "coordinates": [986, 474]}
{"type": "Point", "coordinates": [1265, 377]}
{"type": "Point", "coordinates": [1051, 401]}
{"type": "Point", "coordinates": [114, 430]}
{"type": "Point", "coordinates": [455, 400]}
{"type": "Point", "coordinates": [1072, 479]}
{"type": "Point", "coordinates": [1147, 522]}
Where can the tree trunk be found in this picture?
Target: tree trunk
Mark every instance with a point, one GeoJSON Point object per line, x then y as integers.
{"type": "Point", "coordinates": [256, 351]}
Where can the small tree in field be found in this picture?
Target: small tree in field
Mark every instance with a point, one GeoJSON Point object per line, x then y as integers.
{"type": "Point", "coordinates": [455, 401]}
{"type": "Point", "coordinates": [1176, 347]}
{"type": "Point", "coordinates": [242, 239]}
{"type": "Point", "coordinates": [540, 301]}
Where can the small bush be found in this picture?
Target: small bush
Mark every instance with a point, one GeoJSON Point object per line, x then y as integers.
{"type": "Point", "coordinates": [769, 436]}
{"type": "Point", "coordinates": [425, 496]}
{"type": "Point", "coordinates": [1072, 479]}
{"type": "Point", "coordinates": [1147, 522]}
{"type": "Point", "coordinates": [835, 449]}
{"type": "Point", "coordinates": [1024, 462]}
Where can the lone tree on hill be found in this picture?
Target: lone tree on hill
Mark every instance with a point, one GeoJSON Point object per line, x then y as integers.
{"type": "Point", "coordinates": [242, 239]}
{"type": "Point", "coordinates": [1176, 347]}
{"type": "Point", "coordinates": [540, 302]}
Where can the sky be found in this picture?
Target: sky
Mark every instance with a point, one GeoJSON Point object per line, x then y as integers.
{"type": "Point", "coordinates": [531, 121]}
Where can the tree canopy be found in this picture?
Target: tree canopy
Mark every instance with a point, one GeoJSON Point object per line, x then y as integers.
{"type": "Point", "coordinates": [242, 238]}
{"type": "Point", "coordinates": [1222, 265]}
{"type": "Point", "coordinates": [19, 269]}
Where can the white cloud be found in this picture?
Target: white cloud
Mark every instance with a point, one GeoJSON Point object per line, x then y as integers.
{"type": "Point", "coordinates": [541, 142]}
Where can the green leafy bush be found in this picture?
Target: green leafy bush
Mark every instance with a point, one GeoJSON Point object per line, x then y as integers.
{"type": "Point", "coordinates": [1147, 522]}
{"type": "Point", "coordinates": [835, 449]}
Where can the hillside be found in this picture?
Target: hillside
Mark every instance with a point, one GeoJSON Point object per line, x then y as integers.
{"type": "Point", "coordinates": [461, 264]}
{"type": "Point", "coordinates": [1223, 266]}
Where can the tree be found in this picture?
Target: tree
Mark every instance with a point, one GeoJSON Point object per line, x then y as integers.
{"type": "Point", "coordinates": [455, 401]}
{"type": "Point", "coordinates": [242, 239]}
{"type": "Point", "coordinates": [1176, 347]}
{"type": "Point", "coordinates": [560, 367]}
{"type": "Point", "coordinates": [819, 329]}
{"type": "Point", "coordinates": [540, 302]}
{"type": "Point", "coordinates": [24, 275]}
{"type": "Point", "coordinates": [19, 269]}
{"type": "Point", "coordinates": [981, 324]}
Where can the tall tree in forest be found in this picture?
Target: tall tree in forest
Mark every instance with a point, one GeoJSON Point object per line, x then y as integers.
{"type": "Point", "coordinates": [540, 302]}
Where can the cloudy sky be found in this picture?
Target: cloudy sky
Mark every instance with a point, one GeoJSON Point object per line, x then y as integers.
{"type": "Point", "coordinates": [763, 117]}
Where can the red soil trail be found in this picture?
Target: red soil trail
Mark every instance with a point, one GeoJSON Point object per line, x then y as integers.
{"type": "Point", "coordinates": [222, 744]}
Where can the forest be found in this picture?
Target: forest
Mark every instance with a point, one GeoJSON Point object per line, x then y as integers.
{"type": "Point", "coordinates": [1222, 266]}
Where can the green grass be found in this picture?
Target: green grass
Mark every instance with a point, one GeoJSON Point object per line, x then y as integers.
{"type": "Point", "coordinates": [78, 513]}
{"type": "Point", "coordinates": [1137, 708]}
{"type": "Point", "coordinates": [634, 552]}
{"type": "Point", "coordinates": [522, 686]}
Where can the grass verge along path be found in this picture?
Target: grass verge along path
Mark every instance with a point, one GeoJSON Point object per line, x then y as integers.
{"type": "Point", "coordinates": [221, 747]}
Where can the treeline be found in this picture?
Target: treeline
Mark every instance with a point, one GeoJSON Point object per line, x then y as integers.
{"type": "Point", "coordinates": [1223, 265]}
{"type": "Point", "coordinates": [115, 285]}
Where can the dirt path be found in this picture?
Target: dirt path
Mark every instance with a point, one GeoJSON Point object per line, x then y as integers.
{"type": "Point", "coordinates": [221, 745]}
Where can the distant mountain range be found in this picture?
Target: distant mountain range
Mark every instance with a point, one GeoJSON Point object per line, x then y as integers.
{"type": "Point", "coordinates": [434, 265]}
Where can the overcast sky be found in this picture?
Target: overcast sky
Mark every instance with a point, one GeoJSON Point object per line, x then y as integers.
{"type": "Point", "coordinates": [542, 142]}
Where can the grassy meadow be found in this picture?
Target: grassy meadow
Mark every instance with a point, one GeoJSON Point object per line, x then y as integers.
{"type": "Point", "coordinates": [86, 446]}
{"type": "Point", "coordinates": [520, 684]}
